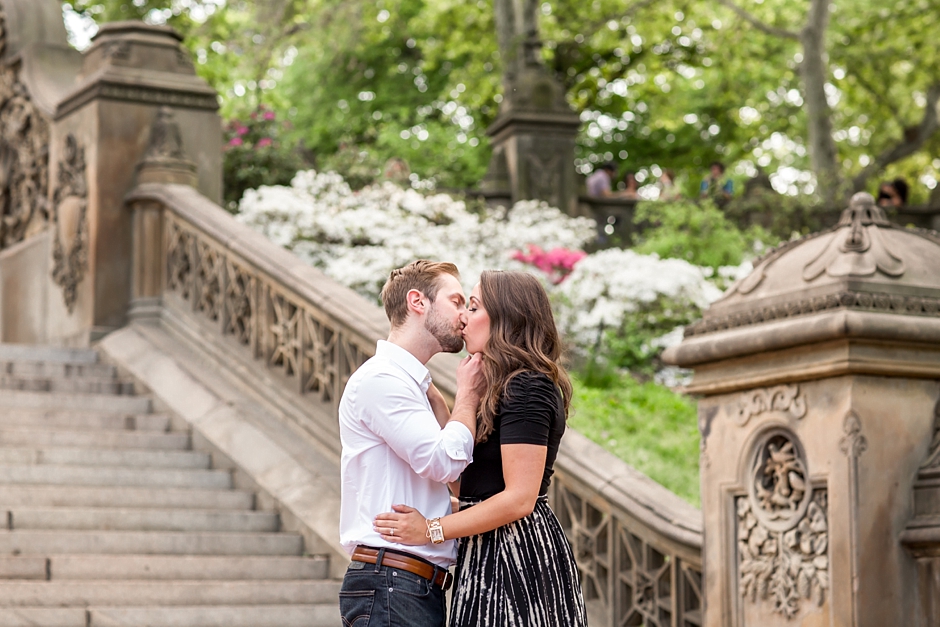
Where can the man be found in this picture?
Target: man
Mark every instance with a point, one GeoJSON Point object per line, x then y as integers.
{"type": "Point", "coordinates": [714, 187]}
{"type": "Point", "coordinates": [600, 183]}
{"type": "Point", "coordinates": [400, 445]}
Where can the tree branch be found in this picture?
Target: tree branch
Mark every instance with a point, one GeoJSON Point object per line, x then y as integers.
{"type": "Point", "coordinates": [758, 24]}
{"type": "Point", "coordinates": [878, 95]}
{"type": "Point", "coordinates": [912, 139]}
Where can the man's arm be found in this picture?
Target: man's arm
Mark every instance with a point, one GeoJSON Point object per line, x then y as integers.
{"type": "Point", "coordinates": [470, 386]}
{"type": "Point", "coordinates": [400, 416]}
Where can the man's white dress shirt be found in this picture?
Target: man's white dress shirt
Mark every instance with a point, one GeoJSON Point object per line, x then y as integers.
{"type": "Point", "coordinates": [395, 452]}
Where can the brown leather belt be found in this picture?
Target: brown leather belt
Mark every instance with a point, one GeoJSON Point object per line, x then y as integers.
{"type": "Point", "coordinates": [437, 575]}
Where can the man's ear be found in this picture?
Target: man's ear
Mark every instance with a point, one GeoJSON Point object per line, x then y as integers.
{"type": "Point", "coordinates": [417, 302]}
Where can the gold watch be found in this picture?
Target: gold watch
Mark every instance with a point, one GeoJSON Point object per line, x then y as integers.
{"type": "Point", "coordinates": [435, 531]}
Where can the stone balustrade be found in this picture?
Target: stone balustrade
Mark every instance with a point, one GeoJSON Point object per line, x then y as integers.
{"type": "Point", "coordinates": [301, 335]}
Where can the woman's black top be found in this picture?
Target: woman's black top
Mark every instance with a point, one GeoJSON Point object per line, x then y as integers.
{"type": "Point", "coordinates": [531, 411]}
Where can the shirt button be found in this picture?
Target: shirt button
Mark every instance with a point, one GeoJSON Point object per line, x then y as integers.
{"type": "Point", "coordinates": [391, 589]}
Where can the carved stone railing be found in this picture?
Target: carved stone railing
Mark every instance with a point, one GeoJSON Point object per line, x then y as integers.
{"type": "Point", "coordinates": [299, 335]}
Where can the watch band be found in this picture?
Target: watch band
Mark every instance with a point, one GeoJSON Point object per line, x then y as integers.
{"type": "Point", "coordinates": [435, 531]}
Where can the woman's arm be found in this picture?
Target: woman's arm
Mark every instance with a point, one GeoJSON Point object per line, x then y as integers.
{"type": "Point", "coordinates": [523, 467]}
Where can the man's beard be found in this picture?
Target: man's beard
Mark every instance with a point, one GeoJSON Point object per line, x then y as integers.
{"type": "Point", "coordinates": [448, 337]}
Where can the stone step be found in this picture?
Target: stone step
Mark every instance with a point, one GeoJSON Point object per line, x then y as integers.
{"type": "Point", "coordinates": [45, 542]}
{"type": "Point", "coordinates": [321, 615]}
{"type": "Point", "coordinates": [76, 420]}
{"type": "Point", "coordinates": [68, 438]}
{"type": "Point", "coordinates": [75, 518]}
{"type": "Point", "coordinates": [165, 593]}
{"type": "Point", "coordinates": [104, 457]}
{"type": "Point", "coordinates": [116, 476]}
{"type": "Point", "coordinates": [27, 352]}
{"type": "Point", "coordinates": [44, 617]}
{"type": "Point", "coordinates": [121, 496]}
{"type": "Point", "coordinates": [161, 567]}
{"type": "Point", "coordinates": [105, 403]}
{"type": "Point", "coordinates": [66, 385]}
{"type": "Point", "coordinates": [49, 369]}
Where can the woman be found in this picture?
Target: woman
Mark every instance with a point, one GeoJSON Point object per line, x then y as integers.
{"type": "Point", "coordinates": [514, 564]}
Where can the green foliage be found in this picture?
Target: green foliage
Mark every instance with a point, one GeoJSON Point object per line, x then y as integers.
{"type": "Point", "coordinates": [645, 424]}
{"type": "Point", "coordinates": [257, 154]}
{"type": "Point", "coordinates": [698, 232]}
{"type": "Point", "coordinates": [674, 84]}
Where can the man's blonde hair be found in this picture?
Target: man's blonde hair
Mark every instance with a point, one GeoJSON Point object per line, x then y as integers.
{"type": "Point", "coordinates": [421, 275]}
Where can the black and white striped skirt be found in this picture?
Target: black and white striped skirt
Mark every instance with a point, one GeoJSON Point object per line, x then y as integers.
{"type": "Point", "coordinates": [522, 574]}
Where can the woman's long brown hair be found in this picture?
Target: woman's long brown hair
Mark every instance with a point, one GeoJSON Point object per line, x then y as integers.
{"type": "Point", "coordinates": [523, 337]}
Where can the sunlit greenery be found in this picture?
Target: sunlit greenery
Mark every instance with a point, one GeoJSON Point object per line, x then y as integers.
{"type": "Point", "coordinates": [675, 83]}
{"type": "Point", "coordinates": [647, 425]}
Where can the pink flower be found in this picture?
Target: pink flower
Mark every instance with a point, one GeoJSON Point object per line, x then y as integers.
{"type": "Point", "coordinates": [242, 130]}
{"type": "Point", "coordinates": [264, 141]}
{"type": "Point", "coordinates": [236, 141]}
{"type": "Point", "coordinates": [557, 263]}
{"type": "Point", "coordinates": [269, 115]}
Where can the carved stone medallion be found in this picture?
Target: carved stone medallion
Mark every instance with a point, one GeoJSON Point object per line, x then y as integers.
{"type": "Point", "coordinates": [783, 540]}
{"type": "Point", "coordinates": [70, 209]}
{"type": "Point", "coordinates": [779, 486]}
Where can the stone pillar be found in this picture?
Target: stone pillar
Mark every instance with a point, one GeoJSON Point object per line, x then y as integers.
{"type": "Point", "coordinates": [131, 72]}
{"type": "Point", "coordinates": [533, 137]}
{"type": "Point", "coordinates": [819, 377]}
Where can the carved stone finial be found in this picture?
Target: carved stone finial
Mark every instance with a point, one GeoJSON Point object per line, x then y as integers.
{"type": "Point", "coordinates": [853, 443]}
{"type": "Point", "coordinates": [856, 247]}
{"type": "Point", "coordinates": [166, 141]}
{"type": "Point", "coordinates": [165, 160]}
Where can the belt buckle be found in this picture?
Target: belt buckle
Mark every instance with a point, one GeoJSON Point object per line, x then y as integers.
{"type": "Point", "coordinates": [448, 580]}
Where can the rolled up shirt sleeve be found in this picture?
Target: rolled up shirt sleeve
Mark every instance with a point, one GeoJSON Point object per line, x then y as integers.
{"type": "Point", "coordinates": [409, 427]}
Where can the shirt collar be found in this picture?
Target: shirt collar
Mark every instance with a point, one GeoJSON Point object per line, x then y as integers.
{"type": "Point", "coordinates": [406, 361]}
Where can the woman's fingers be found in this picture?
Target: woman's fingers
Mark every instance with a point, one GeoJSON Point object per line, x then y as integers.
{"type": "Point", "coordinates": [403, 509]}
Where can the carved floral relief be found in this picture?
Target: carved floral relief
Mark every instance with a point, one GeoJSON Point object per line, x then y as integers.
{"type": "Point", "coordinates": [783, 535]}
{"type": "Point", "coordinates": [24, 159]}
{"type": "Point", "coordinates": [70, 215]}
{"type": "Point", "coordinates": [785, 398]}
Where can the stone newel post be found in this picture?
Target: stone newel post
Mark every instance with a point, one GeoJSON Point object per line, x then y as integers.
{"type": "Point", "coordinates": [137, 84]}
{"type": "Point", "coordinates": [820, 378]}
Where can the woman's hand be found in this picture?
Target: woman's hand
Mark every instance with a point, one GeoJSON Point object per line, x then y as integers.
{"type": "Point", "coordinates": [404, 525]}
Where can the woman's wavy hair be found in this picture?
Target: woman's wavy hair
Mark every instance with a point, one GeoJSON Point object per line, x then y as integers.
{"type": "Point", "coordinates": [523, 337]}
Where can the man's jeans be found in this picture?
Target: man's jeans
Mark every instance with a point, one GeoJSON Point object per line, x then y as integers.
{"type": "Point", "coordinates": [380, 596]}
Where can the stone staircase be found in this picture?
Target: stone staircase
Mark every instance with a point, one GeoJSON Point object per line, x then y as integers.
{"type": "Point", "coordinates": [112, 520]}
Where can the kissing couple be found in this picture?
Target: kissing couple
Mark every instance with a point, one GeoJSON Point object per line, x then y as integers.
{"type": "Point", "coordinates": [405, 452]}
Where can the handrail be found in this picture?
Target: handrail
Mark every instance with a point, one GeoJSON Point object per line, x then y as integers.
{"type": "Point", "coordinates": [638, 546]}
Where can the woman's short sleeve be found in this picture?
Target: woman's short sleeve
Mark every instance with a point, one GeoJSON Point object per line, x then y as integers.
{"type": "Point", "coordinates": [528, 410]}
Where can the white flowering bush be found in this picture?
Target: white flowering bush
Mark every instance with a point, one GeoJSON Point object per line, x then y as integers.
{"type": "Point", "coordinates": [616, 304]}
{"type": "Point", "coordinates": [357, 238]}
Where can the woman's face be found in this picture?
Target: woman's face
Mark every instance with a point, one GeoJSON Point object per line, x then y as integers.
{"type": "Point", "coordinates": [477, 332]}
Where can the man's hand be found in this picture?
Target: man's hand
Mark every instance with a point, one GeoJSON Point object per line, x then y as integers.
{"type": "Point", "coordinates": [404, 525]}
{"type": "Point", "coordinates": [470, 376]}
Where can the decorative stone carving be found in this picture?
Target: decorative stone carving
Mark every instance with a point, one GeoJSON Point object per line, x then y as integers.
{"type": "Point", "coordinates": [784, 567]}
{"type": "Point", "coordinates": [867, 301]}
{"type": "Point", "coordinates": [24, 157]}
{"type": "Point", "coordinates": [779, 485]}
{"type": "Point", "coordinates": [853, 443]}
{"type": "Point", "coordinates": [784, 398]}
{"type": "Point", "coordinates": [933, 456]}
{"type": "Point", "coordinates": [782, 533]}
{"type": "Point", "coordinates": [861, 251]}
{"type": "Point", "coordinates": [70, 209]}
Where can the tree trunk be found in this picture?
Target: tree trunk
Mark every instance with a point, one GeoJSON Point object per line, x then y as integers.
{"type": "Point", "coordinates": [814, 73]}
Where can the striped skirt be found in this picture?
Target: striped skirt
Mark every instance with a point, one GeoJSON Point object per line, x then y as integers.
{"type": "Point", "coordinates": [522, 574]}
